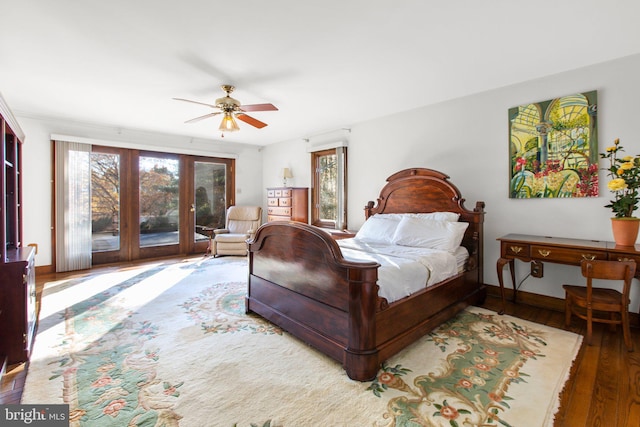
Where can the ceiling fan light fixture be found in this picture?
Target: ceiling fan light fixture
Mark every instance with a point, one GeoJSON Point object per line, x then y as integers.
{"type": "Point", "coordinates": [231, 109]}
{"type": "Point", "coordinates": [228, 123]}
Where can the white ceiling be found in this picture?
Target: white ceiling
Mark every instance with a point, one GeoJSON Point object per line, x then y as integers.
{"type": "Point", "coordinates": [325, 64]}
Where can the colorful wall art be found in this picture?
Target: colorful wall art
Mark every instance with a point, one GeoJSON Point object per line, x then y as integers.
{"type": "Point", "coordinates": [553, 148]}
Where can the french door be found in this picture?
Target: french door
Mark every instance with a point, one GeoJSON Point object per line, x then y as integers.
{"type": "Point", "coordinates": [150, 204]}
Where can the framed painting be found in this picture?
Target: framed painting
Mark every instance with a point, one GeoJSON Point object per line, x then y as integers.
{"type": "Point", "coordinates": [553, 148]}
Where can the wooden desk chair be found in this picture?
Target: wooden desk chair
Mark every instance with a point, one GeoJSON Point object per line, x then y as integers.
{"type": "Point", "coordinates": [584, 301]}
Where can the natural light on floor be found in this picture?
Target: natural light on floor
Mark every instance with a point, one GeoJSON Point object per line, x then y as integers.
{"type": "Point", "coordinates": [64, 293]}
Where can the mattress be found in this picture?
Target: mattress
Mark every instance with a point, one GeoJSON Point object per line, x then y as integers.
{"type": "Point", "coordinates": [405, 269]}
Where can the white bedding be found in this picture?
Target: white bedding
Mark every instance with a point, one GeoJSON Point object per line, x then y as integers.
{"type": "Point", "coordinates": [404, 269]}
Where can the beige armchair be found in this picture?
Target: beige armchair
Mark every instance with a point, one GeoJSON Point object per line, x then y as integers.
{"type": "Point", "coordinates": [241, 224]}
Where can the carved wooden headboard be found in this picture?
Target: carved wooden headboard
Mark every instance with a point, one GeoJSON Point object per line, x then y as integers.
{"type": "Point", "coordinates": [420, 190]}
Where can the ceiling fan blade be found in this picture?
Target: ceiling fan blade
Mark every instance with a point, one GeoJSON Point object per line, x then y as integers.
{"type": "Point", "coordinates": [206, 116]}
{"type": "Point", "coordinates": [250, 120]}
{"type": "Point", "coordinates": [195, 102]}
{"type": "Point", "coordinates": [258, 107]}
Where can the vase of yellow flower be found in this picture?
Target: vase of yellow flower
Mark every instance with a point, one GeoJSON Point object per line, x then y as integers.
{"type": "Point", "coordinates": [625, 181]}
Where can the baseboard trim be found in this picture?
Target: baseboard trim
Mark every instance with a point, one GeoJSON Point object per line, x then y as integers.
{"type": "Point", "coordinates": [44, 269]}
{"type": "Point", "coordinates": [544, 301]}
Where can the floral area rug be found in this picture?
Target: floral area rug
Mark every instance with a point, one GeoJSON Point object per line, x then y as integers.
{"type": "Point", "coordinates": [169, 344]}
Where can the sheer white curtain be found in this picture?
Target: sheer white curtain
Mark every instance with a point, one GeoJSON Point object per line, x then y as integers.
{"type": "Point", "coordinates": [73, 206]}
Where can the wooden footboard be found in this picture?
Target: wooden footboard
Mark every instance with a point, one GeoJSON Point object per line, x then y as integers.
{"type": "Point", "coordinates": [299, 280]}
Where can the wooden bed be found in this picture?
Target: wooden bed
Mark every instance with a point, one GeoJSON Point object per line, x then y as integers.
{"type": "Point", "coordinates": [299, 280]}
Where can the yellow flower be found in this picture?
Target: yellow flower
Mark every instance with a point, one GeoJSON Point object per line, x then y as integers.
{"type": "Point", "coordinates": [627, 166]}
{"type": "Point", "coordinates": [617, 184]}
{"type": "Point", "coordinates": [625, 180]}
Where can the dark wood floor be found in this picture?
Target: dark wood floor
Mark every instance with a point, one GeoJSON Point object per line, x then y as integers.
{"type": "Point", "coordinates": [603, 390]}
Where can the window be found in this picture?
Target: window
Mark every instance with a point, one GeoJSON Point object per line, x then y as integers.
{"type": "Point", "coordinates": [328, 194]}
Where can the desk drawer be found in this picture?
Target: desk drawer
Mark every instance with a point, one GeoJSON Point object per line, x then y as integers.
{"type": "Point", "coordinates": [565, 255]}
{"type": "Point", "coordinates": [514, 250]}
{"type": "Point", "coordinates": [271, 218]}
{"type": "Point", "coordinates": [625, 257]}
{"type": "Point", "coordinates": [272, 202]}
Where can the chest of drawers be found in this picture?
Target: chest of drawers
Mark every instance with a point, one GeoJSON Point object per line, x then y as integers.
{"type": "Point", "coordinates": [288, 204]}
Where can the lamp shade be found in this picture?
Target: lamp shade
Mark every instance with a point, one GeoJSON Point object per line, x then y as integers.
{"type": "Point", "coordinates": [228, 123]}
{"type": "Point", "coordinates": [286, 173]}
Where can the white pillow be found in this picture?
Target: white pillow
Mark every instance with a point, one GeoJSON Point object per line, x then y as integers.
{"type": "Point", "coordinates": [426, 233]}
{"type": "Point", "coordinates": [436, 216]}
{"type": "Point", "coordinates": [378, 228]}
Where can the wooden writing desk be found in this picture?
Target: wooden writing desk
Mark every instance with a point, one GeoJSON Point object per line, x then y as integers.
{"type": "Point", "coordinates": [557, 250]}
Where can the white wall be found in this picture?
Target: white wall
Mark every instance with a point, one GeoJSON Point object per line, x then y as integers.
{"type": "Point", "coordinates": [278, 156]}
{"type": "Point", "coordinates": [468, 139]}
{"type": "Point", "coordinates": [37, 167]}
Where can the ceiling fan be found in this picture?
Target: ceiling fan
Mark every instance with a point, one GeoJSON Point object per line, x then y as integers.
{"type": "Point", "coordinates": [231, 109]}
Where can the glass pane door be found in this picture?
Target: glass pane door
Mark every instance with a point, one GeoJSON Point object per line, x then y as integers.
{"type": "Point", "coordinates": [210, 190]}
{"type": "Point", "coordinates": [159, 212]}
{"type": "Point", "coordinates": [152, 204]}
{"type": "Point", "coordinates": [105, 202]}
